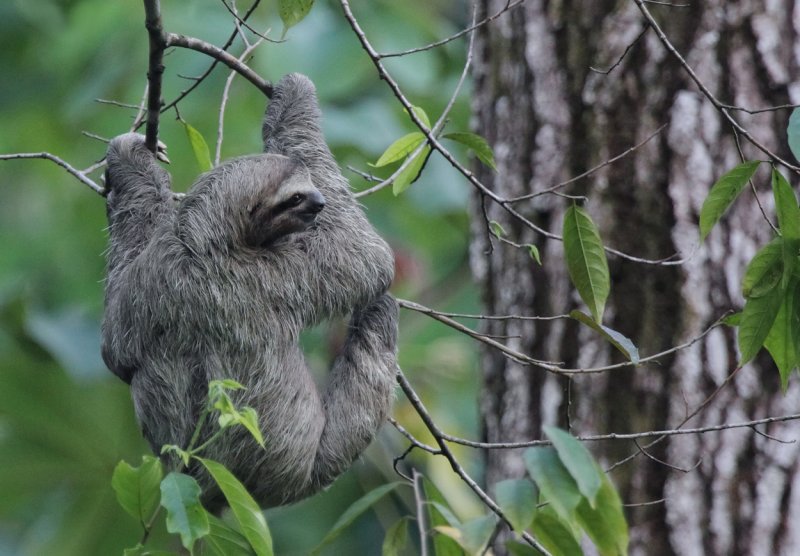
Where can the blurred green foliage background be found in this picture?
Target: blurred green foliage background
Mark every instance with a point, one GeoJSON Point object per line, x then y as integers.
{"type": "Point", "coordinates": [65, 421]}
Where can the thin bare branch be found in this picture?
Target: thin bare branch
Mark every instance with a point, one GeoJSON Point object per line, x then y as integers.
{"type": "Point", "coordinates": [629, 436]}
{"type": "Point", "coordinates": [438, 126]}
{"type": "Point", "coordinates": [81, 176]}
{"type": "Point", "coordinates": [155, 70]}
{"type": "Point", "coordinates": [415, 401]}
{"type": "Point", "coordinates": [242, 22]}
{"type": "Point", "coordinates": [591, 171]}
{"type": "Point", "coordinates": [192, 43]}
{"type": "Point", "coordinates": [224, 102]}
{"type": "Point", "coordinates": [509, 5]}
{"type": "Point", "coordinates": [722, 108]}
{"type": "Point", "coordinates": [624, 53]}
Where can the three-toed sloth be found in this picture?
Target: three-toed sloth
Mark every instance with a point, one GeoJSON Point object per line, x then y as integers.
{"type": "Point", "coordinates": [221, 283]}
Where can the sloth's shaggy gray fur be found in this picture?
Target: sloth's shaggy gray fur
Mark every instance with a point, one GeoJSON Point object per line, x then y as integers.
{"type": "Point", "coordinates": [222, 283]}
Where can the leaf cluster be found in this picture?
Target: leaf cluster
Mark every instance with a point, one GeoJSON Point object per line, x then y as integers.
{"type": "Point", "coordinates": [142, 491]}
{"type": "Point", "coordinates": [771, 284]}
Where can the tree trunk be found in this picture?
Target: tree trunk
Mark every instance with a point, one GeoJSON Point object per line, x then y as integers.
{"type": "Point", "coordinates": [549, 117]}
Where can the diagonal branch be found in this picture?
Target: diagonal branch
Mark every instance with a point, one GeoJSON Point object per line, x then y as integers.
{"type": "Point", "coordinates": [159, 42]}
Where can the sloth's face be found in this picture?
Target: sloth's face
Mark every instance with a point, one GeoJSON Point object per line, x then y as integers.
{"type": "Point", "coordinates": [289, 208]}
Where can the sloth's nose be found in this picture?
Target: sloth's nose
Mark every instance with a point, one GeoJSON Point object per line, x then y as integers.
{"type": "Point", "coordinates": [315, 202]}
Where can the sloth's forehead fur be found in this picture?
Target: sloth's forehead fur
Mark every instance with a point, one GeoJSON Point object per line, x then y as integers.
{"type": "Point", "coordinates": [256, 177]}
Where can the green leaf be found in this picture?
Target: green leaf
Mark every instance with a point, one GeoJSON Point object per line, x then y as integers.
{"type": "Point", "coordinates": [411, 173]}
{"type": "Point", "coordinates": [605, 524]}
{"type": "Point", "coordinates": [249, 419]}
{"type": "Point", "coordinates": [180, 496]}
{"type": "Point", "coordinates": [518, 499]}
{"type": "Point", "coordinates": [137, 488]}
{"type": "Point", "coordinates": [478, 145]}
{"type": "Point", "coordinates": [497, 228]}
{"type": "Point", "coordinates": [616, 339]}
{"type": "Point", "coordinates": [516, 548]}
{"type": "Point", "coordinates": [222, 540]}
{"type": "Point", "coordinates": [764, 270]}
{"type": "Point", "coordinates": [472, 536]}
{"type": "Point", "coordinates": [723, 194]}
{"type": "Point", "coordinates": [199, 147]}
{"type": "Point", "coordinates": [555, 535]}
{"type": "Point", "coordinates": [421, 115]}
{"type": "Point", "coordinates": [533, 251]}
{"type": "Point", "coordinates": [586, 260]}
{"type": "Point", "coordinates": [734, 319]}
{"type": "Point", "coordinates": [396, 538]}
{"type": "Point", "coordinates": [789, 223]}
{"type": "Point", "coordinates": [439, 514]}
{"type": "Point", "coordinates": [786, 206]}
{"type": "Point", "coordinates": [354, 511]}
{"type": "Point", "coordinates": [578, 461]}
{"type": "Point", "coordinates": [793, 133]}
{"type": "Point", "coordinates": [293, 12]}
{"type": "Point", "coordinates": [178, 451]}
{"type": "Point", "coordinates": [247, 512]}
{"type": "Point", "coordinates": [216, 386]}
{"type": "Point", "coordinates": [758, 317]}
{"type": "Point", "coordinates": [783, 340]}
{"type": "Point", "coordinates": [400, 148]}
{"type": "Point", "coordinates": [553, 479]}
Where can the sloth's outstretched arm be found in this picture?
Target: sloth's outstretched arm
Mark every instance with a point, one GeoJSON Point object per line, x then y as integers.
{"type": "Point", "coordinates": [359, 395]}
{"type": "Point", "coordinates": [352, 264]}
{"type": "Point", "coordinates": [139, 195]}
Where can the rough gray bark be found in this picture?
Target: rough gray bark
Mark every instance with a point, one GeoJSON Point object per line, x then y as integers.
{"type": "Point", "coordinates": [548, 118]}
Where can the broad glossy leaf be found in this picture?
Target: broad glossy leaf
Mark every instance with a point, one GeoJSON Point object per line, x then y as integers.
{"type": "Point", "coordinates": [786, 206]}
{"type": "Point", "coordinates": [586, 260]}
{"type": "Point", "coordinates": [439, 514]}
{"type": "Point", "coordinates": [222, 540]}
{"type": "Point", "coordinates": [400, 148]}
{"type": "Point", "coordinates": [758, 317]}
{"type": "Point", "coordinates": [554, 480]}
{"type": "Point", "coordinates": [396, 538]}
{"type": "Point", "coordinates": [180, 496]}
{"type": "Point", "coordinates": [555, 535]}
{"type": "Point", "coordinates": [478, 145]}
{"type": "Point", "coordinates": [783, 340]}
{"type": "Point", "coordinates": [518, 499]}
{"type": "Point", "coordinates": [422, 116]}
{"type": "Point", "coordinates": [605, 523]}
{"type": "Point", "coordinates": [137, 488]}
{"type": "Point", "coordinates": [247, 512]}
{"type": "Point", "coordinates": [516, 548]}
{"type": "Point", "coordinates": [473, 535]}
{"type": "Point", "coordinates": [616, 339]}
{"type": "Point", "coordinates": [723, 194]}
{"type": "Point", "coordinates": [293, 12]}
{"type": "Point", "coordinates": [354, 511]}
{"type": "Point", "coordinates": [789, 223]}
{"type": "Point", "coordinates": [411, 173]}
{"type": "Point", "coordinates": [793, 133]}
{"type": "Point", "coordinates": [764, 270]}
{"type": "Point", "coordinates": [199, 147]}
{"type": "Point", "coordinates": [578, 461]}
{"type": "Point", "coordinates": [734, 319]}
